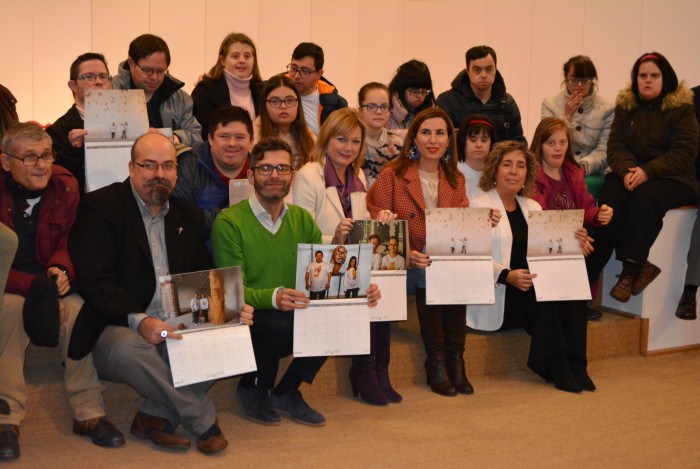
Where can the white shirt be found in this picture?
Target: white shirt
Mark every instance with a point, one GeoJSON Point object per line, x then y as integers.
{"type": "Point", "coordinates": [311, 105]}
{"type": "Point", "coordinates": [393, 263]}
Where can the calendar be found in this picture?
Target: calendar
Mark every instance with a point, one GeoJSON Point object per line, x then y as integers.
{"type": "Point", "coordinates": [393, 304]}
{"type": "Point", "coordinates": [458, 241]}
{"type": "Point", "coordinates": [336, 327]}
{"type": "Point", "coordinates": [555, 255]}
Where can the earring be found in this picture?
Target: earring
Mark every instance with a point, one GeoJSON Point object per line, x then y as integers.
{"type": "Point", "coordinates": [446, 157]}
{"type": "Point", "coordinates": [413, 153]}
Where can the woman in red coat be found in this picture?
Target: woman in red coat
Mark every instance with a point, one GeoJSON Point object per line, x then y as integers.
{"type": "Point", "coordinates": [425, 175]}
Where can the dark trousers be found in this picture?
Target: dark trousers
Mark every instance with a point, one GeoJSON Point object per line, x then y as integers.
{"type": "Point", "coordinates": [352, 293]}
{"type": "Point", "coordinates": [604, 238]}
{"type": "Point", "coordinates": [317, 295]}
{"type": "Point", "coordinates": [638, 215]}
{"type": "Point", "coordinates": [272, 335]}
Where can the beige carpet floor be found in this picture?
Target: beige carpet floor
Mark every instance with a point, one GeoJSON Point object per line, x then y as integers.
{"type": "Point", "coordinates": [646, 413]}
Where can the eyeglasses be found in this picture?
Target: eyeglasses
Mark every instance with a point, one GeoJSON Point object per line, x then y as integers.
{"type": "Point", "coordinates": [266, 169]}
{"type": "Point", "coordinates": [579, 81]}
{"type": "Point", "coordinates": [32, 160]}
{"type": "Point", "coordinates": [151, 71]}
{"type": "Point", "coordinates": [371, 107]}
{"type": "Point", "coordinates": [277, 102]}
{"type": "Point", "coordinates": [422, 92]}
{"type": "Point", "coordinates": [152, 166]}
{"type": "Point", "coordinates": [91, 77]}
{"type": "Point", "coordinates": [303, 72]}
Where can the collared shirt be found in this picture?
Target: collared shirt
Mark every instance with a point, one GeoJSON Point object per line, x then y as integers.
{"type": "Point", "coordinates": [155, 232]}
{"type": "Point", "coordinates": [273, 227]}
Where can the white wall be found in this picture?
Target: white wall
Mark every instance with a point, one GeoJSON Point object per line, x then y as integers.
{"type": "Point", "coordinates": [364, 40]}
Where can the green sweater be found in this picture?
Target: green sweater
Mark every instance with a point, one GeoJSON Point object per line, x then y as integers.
{"type": "Point", "coordinates": [268, 260]}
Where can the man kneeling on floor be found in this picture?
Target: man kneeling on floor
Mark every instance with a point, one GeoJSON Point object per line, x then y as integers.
{"type": "Point", "coordinates": [38, 201]}
{"type": "Point", "coordinates": [261, 235]}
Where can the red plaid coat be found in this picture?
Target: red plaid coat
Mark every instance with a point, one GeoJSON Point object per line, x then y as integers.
{"type": "Point", "coordinates": [404, 196]}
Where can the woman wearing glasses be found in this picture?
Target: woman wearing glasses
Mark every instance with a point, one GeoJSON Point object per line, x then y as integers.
{"type": "Point", "coordinates": [560, 186]}
{"type": "Point", "coordinates": [382, 145]}
{"type": "Point", "coordinates": [233, 81]}
{"type": "Point", "coordinates": [332, 187]}
{"type": "Point", "coordinates": [587, 115]}
{"type": "Point", "coordinates": [280, 117]}
{"type": "Point", "coordinates": [425, 175]}
{"type": "Point", "coordinates": [411, 92]}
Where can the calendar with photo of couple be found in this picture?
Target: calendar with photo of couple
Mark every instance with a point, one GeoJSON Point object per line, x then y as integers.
{"type": "Point", "coordinates": [390, 257]}
{"type": "Point", "coordinates": [336, 320]}
{"type": "Point", "coordinates": [204, 307]}
{"type": "Point", "coordinates": [556, 256]}
{"type": "Point", "coordinates": [458, 241]}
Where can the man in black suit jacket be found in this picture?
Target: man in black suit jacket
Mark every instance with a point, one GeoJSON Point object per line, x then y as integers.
{"type": "Point", "coordinates": [126, 236]}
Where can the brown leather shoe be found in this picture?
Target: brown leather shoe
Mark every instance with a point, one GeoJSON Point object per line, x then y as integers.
{"type": "Point", "coordinates": [158, 430]}
{"type": "Point", "coordinates": [622, 289]}
{"type": "Point", "coordinates": [100, 430]}
{"type": "Point", "coordinates": [213, 443]}
{"type": "Point", "coordinates": [647, 274]}
{"type": "Point", "coordinates": [687, 308]}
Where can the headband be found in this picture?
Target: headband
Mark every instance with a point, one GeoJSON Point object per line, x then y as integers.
{"type": "Point", "coordinates": [487, 124]}
{"type": "Point", "coordinates": [649, 56]}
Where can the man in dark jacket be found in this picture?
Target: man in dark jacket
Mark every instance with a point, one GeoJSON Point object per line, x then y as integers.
{"type": "Point", "coordinates": [480, 89]}
{"type": "Point", "coordinates": [89, 71]}
{"type": "Point", "coordinates": [319, 98]}
{"type": "Point", "coordinates": [166, 103]}
{"type": "Point", "coordinates": [38, 201]}
{"type": "Point", "coordinates": [203, 174]}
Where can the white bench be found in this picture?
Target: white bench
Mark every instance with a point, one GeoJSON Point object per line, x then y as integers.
{"type": "Point", "coordinates": [658, 301]}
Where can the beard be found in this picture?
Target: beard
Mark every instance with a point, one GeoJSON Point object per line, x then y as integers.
{"type": "Point", "coordinates": [159, 190]}
{"type": "Point", "coordinates": [270, 196]}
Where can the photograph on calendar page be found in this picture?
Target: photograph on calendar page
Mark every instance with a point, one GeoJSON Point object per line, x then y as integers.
{"type": "Point", "coordinates": [201, 300]}
{"type": "Point", "coordinates": [389, 242]}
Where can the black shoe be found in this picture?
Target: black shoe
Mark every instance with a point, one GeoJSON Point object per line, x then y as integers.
{"type": "Point", "coordinates": [294, 404]}
{"type": "Point", "coordinates": [100, 430]}
{"type": "Point", "coordinates": [4, 407]}
{"type": "Point", "coordinates": [9, 442]}
{"type": "Point", "coordinates": [563, 377]}
{"type": "Point", "coordinates": [593, 314]}
{"type": "Point", "coordinates": [257, 405]}
{"type": "Point", "coordinates": [687, 308]}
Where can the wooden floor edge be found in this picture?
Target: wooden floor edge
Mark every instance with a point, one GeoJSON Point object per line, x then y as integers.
{"type": "Point", "coordinates": [666, 351]}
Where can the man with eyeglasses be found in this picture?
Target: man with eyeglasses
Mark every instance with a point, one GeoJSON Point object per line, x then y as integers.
{"type": "Point", "coordinates": [88, 71]}
{"type": "Point", "coordinates": [319, 98]}
{"type": "Point", "coordinates": [38, 201]}
{"type": "Point", "coordinates": [126, 236]}
{"type": "Point", "coordinates": [480, 89]}
{"type": "Point", "coordinates": [261, 235]}
{"type": "Point", "coordinates": [168, 105]}
{"type": "Point", "coordinates": [204, 173]}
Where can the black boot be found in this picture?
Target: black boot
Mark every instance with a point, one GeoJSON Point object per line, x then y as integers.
{"type": "Point", "coordinates": [382, 346]}
{"type": "Point", "coordinates": [454, 319]}
{"type": "Point", "coordinates": [431, 331]}
{"type": "Point", "coordinates": [562, 375]}
{"type": "Point", "coordinates": [363, 377]}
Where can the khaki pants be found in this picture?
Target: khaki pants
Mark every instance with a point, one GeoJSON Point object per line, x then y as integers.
{"type": "Point", "coordinates": [81, 381]}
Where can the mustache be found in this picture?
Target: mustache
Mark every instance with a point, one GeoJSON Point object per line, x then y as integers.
{"type": "Point", "coordinates": [158, 181]}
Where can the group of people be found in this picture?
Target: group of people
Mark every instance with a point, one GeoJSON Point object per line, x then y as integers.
{"type": "Point", "coordinates": [82, 268]}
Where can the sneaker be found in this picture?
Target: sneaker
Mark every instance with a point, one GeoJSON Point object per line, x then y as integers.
{"type": "Point", "coordinates": [257, 406]}
{"type": "Point", "coordinates": [293, 404]}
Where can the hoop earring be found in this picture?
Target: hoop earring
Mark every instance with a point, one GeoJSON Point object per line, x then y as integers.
{"type": "Point", "coordinates": [413, 153]}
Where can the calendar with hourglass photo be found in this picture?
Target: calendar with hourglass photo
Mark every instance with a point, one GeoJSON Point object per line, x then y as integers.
{"type": "Point", "coordinates": [555, 255]}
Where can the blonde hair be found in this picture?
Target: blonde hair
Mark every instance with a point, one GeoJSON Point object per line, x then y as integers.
{"type": "Point", "coordinates": [340, 122]}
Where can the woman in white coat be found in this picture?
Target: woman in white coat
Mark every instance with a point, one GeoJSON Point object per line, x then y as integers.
{"type": "Point", "coordinates": [558, 329]}
{"type": "Point", "coordinates": [333, 187]}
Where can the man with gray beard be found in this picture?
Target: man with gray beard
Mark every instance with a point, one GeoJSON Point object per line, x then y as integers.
{"type": "Point", "coordinates": [126, 236]}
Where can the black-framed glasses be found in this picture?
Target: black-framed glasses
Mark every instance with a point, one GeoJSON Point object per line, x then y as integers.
{"type": "Point", "coordinates": [266, 169]}
{"type": "Point", "coordinates": [91, 77]}
{"type": "Point", "coordinates": [152, 166]}
{"type": "Point", "coordinates": [277, 102]}
{"type": "Point", "coordinates": [573, 81]}
{"type": "Point", "coordinates": [303, 72]}
{"type": "Point", "coordinates": [151, 71]}
{"type": "Point", "coordinates": [371, 107]}
{"type": "Point", "coordinates": [32, 160]}
{"type": "Point", "coordinates": [422, 92]}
